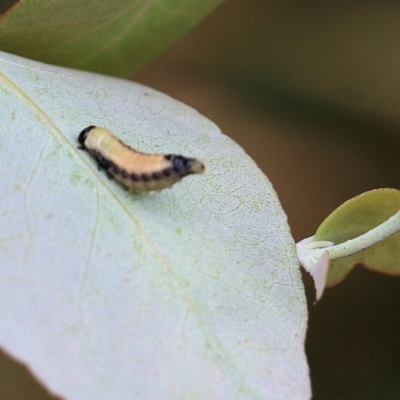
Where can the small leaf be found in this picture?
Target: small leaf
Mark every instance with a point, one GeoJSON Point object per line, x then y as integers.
{"type": "Point", "coordinates": [319, 273]}
{"type": "Point", "coordinates": [190, 293]}
{"type": "Point", "coordinates": [113, 37]}
{"type": "Point", "coordinates": [356, 217]}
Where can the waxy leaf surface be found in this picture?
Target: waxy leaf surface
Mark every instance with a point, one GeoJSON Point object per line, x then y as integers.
{"type": "Point", "coordinates": [190, 293]}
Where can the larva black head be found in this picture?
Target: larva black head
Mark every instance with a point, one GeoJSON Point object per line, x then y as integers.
{"type": "Point", "coordinates": [184, 166]}
{"type": "Point", "coordinates": [83, 135]}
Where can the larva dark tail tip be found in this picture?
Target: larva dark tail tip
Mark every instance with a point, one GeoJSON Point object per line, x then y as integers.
{"type": "Point", "coordinates": [83, 135]}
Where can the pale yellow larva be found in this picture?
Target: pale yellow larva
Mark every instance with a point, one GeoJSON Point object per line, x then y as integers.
{"type": "Point", "coordinates": [140, 172]}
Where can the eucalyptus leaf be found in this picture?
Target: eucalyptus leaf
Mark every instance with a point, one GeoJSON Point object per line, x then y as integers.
{"type": "Point", "coordinates": [189, 293]}
{"type": "Point", "coordinates": [116, 37]}
{"type": "Point", "coordinates": [354, 218]}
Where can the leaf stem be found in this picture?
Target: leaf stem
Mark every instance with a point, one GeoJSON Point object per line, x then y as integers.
{"type": "Point", "coordinates": [312, 251]}
{"type": "Point", "coordinates": [375, 235]}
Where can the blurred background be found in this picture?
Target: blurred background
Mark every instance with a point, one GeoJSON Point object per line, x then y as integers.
{"type": "Point", "coordinates": [311, 91]}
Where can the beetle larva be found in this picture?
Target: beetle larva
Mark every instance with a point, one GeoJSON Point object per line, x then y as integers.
{"type": "Point", "coordinates": [140, 172]}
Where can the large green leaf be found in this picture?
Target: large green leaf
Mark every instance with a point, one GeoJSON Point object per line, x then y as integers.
{"type": "Point", "coordinates": [116, 37]}
{"type": "Point", "coordinates": [190, 293]}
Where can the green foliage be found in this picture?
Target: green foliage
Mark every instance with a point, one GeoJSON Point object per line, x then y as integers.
{"type": "Point", "coordinates": [115, 37]}
{"type": "Point", "coordinates": [356, 217]}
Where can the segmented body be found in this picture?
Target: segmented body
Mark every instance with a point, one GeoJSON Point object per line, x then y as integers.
{"type": "Point", "coordinates": [140, 172]}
